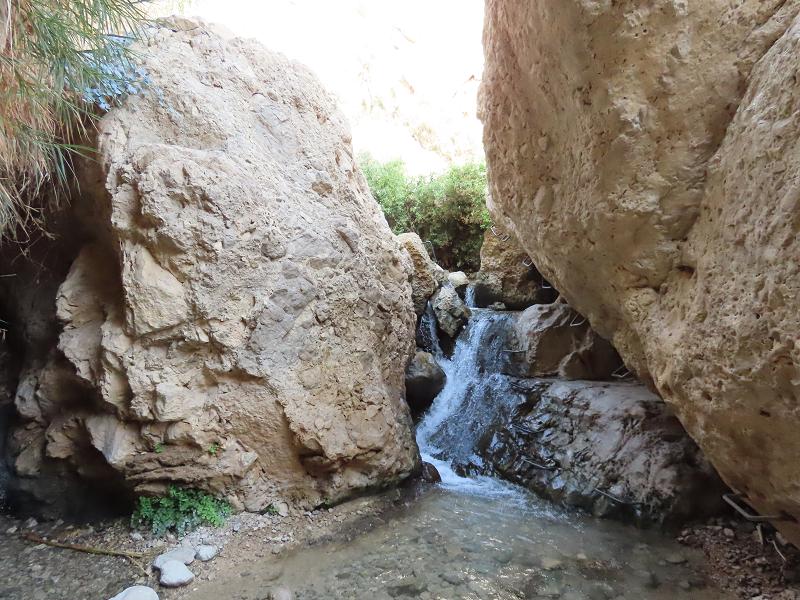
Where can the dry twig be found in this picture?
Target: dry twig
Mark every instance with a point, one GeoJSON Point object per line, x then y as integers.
{"type": "Point", "coordinates": [31, 537]}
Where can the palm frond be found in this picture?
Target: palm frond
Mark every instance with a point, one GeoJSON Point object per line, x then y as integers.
{"type": "Point", "coordinates": [59, 61]}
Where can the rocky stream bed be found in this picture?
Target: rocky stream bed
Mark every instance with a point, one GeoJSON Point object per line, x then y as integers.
{"type": "Point", "coordinates": [486, 541]}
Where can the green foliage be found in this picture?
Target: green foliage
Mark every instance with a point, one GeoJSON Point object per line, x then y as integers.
{"type": "Point", "coordinates": [159, 448]}
{"type": "Point", "coordinates": [392, 189]}
{"type": "Point", "coordinates": [448, 210]}
{"type": "Point", "coordinates": [181, 510]}
{"type": "Point", "coordinates": [59, 59]}
{"type": "Point", "coordinates": [213, 449]}
{"type": "Point", "coordinates": [270, 510]}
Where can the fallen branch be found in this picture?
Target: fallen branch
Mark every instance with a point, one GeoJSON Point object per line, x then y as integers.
{"type": "Point", "coordinates": [31, 537]}
{"type": "Point", "coordinates": [138, 566]}
{"type": "Point", "coordinates": [774, 543]}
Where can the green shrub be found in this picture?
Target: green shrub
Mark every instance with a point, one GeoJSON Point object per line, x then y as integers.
{"type": "Point", "coordinates": [448, 210]}
{"type": "Point", "coordinates": [391, 188]}
{"type": "Point", "coordinates": [181, 510]}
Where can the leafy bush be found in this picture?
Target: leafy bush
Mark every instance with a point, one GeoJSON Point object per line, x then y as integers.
{"type": "Point", "coordinates": [181, 510]}
{"type": "Point", "coordinates": [448, 210]}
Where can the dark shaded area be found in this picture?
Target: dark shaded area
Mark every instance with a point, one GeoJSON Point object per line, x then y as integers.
{"type": "Point", "coordinates": [487, 295]}
{"type": "Point", "coordinates": [81, 487]}
{"type": "Point", "coordinates": [424, 380]}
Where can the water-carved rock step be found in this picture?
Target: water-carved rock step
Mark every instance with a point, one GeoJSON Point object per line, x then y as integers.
{"type": "Point", "coordinates": [612, 448]}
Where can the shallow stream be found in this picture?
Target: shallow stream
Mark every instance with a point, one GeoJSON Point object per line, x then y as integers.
{"type": "Point", "coordinates": [505, 545]}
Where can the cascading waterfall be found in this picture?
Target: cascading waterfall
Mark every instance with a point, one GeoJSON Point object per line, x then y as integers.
{"type": "Point", "coordinates": [469, 296]}
{"type": "Point", "coordinates": [475, 387]}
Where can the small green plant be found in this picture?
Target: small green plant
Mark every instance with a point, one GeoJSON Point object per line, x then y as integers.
{"type": "Point", "coordinates": [448, 210]}
{"type": "Point", "coordinates": [270, 510]}
{"type": "Point", "coordinates": [159, 448]}
{"type": "Point", "coordinates": [181, 510]}
{"type": "Point", "coordinates": [213, 449]}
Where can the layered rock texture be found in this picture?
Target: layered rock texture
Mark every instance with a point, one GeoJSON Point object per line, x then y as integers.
{"type": "Point", "coordinates": [610, 448]}
{"type": "Point", "coordinates": [426, 275]}
{"type": "Point", "coordinates": [646, 157]}
{"type": "Point", "coordinates": [240, 316]}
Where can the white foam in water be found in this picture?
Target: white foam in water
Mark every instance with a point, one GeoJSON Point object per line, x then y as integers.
{"type": "Point", "coordinates": [480, 485]}
{"type": "Point", "coordinates": [469, 296]}
{"type": "Point", "coordinates": [464, 376]}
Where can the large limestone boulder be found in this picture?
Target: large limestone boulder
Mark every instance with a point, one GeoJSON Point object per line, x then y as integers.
{"type": "Point", "coordinates": [613, 449]}
{"type": "Point", "coordinates": [241, 318]}
{"type": "Point", "coordinates": [426, 275]}
{"type": "Point", "coordinates": [645, 155]}
{"type": "Point", "coordinates": [507, 274]}
{"type": "Point", "coordinates": [556, 340]}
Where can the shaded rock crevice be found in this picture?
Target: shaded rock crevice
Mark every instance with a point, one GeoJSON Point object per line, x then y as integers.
{"type": "Point", "coordinates": [612, 449]}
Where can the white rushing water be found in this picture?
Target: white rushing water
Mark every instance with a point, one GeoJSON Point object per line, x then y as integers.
{"type": "Point", "coordinates": [469, 296]}
{"type": "Point", "coordinates": [472, 373]}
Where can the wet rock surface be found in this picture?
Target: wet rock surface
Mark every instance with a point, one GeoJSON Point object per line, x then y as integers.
{"type": "Point", "coordinates": [553, 339]}
{"type": "Point", "coordinates": [424, 380]}
{"type": "Point", "coordinates": [612, 449]}
{"type": "Point", "coordinates": [476, 391]}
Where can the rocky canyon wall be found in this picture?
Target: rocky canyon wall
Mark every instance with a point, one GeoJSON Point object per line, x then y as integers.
{"type": "Point", "coordinates": [238, 315]}
{"type": "Point", "coordinates": [646, 156]}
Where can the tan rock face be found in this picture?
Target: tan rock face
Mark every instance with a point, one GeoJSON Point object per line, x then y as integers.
{"type": "Point", "coordinates": [451, 312]}
{"type": "Point", "coordinates": [426, 275]}
{"type": "Point", "coordinates": [555, 340]}
{"type": "Point", "coordinates": [646, 158]}
{"type": "Point", "coordinates": [243, 320]}
{"type": "Point", "coordinates": [507, 274]}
